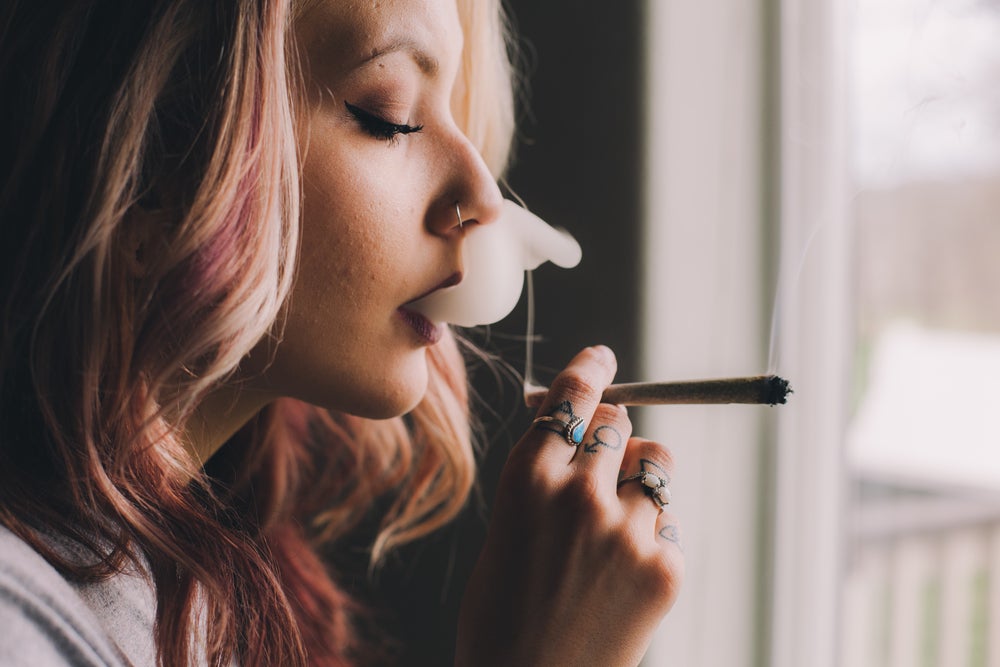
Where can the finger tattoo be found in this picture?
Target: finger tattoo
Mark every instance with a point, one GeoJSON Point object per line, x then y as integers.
{"type": "Point", "coordinates": [604, 436]}
{"type": "Point", "coordinates": [563, 411]}
{"type": "Point", "coordinates": [671, 534]}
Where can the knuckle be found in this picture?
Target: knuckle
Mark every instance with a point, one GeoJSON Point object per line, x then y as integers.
{"type": "Point", "coordinates": [525, 479]}
{"type": "Point", "coordinates": [654, 452]}
{"type": "Point", "coordinates": [538, 484]}
{"type": "Point", "coordinates": [661, 577]}
{"type": "Point", "coordinates": [581, 496]}
{"type": "Point", "coordinates": [626, 548]}
{"type": "Point", "coordinates": [575, 386]}
{"type": "Point", "coordinates": [614, 415]}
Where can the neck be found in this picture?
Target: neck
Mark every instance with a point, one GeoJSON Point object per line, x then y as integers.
{"type": "Point", "coordinates": [219, 416]}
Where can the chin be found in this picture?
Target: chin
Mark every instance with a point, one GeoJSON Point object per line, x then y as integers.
{"type": "Point", "coordinates": [392, 397]}
{"type": "Point", "coordinates": [386, 408]}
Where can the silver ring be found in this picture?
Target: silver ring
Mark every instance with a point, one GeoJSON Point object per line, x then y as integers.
{"type": "Point", "coordinates": [573, 429]}
{"type": "Point", "coordinates": [654, 486]}
{"type": "Point", "coordinates": [458, 212]}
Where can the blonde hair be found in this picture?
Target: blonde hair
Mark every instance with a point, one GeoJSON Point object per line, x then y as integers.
{"type": "Point", "coordinates": [484, 95]}
{"type": "Point", "coordinates": [150, 201]}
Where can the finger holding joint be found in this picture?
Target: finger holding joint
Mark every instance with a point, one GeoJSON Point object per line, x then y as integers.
{"type": "Point", "coordinates": [582, 382]}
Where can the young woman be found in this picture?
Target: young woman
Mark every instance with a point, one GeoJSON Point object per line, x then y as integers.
{"type": "Point", "coordinates": [216, 217]}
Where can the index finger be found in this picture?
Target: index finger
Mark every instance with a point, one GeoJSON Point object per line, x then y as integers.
{"type": "Point", "coordinates": [574, 395]}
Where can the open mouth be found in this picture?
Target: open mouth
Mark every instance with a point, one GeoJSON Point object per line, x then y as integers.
{"type": "Point", "coordinates": [450, 281]}
{"type": "Point", "coordinates": [428, 330]}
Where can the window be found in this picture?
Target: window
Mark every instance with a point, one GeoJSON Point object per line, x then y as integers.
{"type": "Point", "coordinates": [843, 160]}
{"type": "Point", "coordinates": [922, 450]}
{"type": "Point", "coordinates": [747, 188]}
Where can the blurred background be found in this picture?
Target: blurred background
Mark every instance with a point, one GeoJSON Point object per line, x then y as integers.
{"type": "Point", "coordinates": [809, 187]}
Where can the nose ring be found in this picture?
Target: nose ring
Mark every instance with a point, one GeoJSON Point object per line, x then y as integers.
{"type": "Point", "coordinates": [458, 212]}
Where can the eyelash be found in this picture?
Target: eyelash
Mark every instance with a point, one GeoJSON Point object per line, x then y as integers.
{"type": "Point", "coordinates": [380, 128]}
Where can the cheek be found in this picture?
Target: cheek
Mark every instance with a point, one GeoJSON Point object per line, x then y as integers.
{"type": "Point", "coordinates": [351, 271]}
{"type": "Point", "coordinates": [351, 217]}
{"type": "Point", "coordinates": [340, 242]}
{"type": "Point", "coordinates": [332, 260]}
{"type": "Point", "coordinates": [342, 347]}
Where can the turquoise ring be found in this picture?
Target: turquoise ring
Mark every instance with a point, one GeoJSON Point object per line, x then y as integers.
{"type": "Point", "coordinates": [573, 429]}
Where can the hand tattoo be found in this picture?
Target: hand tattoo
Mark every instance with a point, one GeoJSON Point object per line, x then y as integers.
{"type": "Point", "coordinates": [563, 411]}
{"type": "Point", "coordinates": [671, 534]}
{"type": "Point", "coordinates": [604, 436]}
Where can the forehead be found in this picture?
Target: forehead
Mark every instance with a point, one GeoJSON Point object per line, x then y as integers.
{"type": "Point", "coordinates": [356, 32]}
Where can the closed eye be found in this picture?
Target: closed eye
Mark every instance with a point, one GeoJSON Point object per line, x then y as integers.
{"type": "Point", "coordinates": [377, 127]}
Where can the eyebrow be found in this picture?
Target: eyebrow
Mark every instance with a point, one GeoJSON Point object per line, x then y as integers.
{"type": "Point", "coordinates": [427, 63]}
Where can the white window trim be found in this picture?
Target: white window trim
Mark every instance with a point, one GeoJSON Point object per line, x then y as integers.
{"type": "Point", "coordinates": [702, 310]}
{"type": "Point", "coordinates": [816, 334]}
{"type": "Point", "coordinates": [762, 581]}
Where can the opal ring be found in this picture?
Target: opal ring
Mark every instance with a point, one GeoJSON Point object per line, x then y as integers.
{"type": "Point", "coordinates": [572, 430]}
{"type": "Point", "coordinates": [654, 486]}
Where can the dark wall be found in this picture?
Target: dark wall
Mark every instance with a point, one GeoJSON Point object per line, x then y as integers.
{"type": "Point", "coordinates": [578, 165]}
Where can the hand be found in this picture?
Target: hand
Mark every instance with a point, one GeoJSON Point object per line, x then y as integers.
{"type": "Point", "coordinates": [576, 570]}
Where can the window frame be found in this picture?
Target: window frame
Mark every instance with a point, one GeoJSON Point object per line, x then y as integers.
{"type": "Point", "coordinates": [760, 493]}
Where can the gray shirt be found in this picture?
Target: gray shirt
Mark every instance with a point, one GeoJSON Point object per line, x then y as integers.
{"type": "Point", "coordinates": [46, 620]}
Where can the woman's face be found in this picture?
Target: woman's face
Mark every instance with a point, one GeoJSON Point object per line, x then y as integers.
{"type": "Point", "coordinates": [383, 167]}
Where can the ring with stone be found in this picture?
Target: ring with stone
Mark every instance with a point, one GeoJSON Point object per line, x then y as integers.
{"type": "Point", "coordinates": [654, 485]}
{"type": "Point", "coordinates": [572, 430]}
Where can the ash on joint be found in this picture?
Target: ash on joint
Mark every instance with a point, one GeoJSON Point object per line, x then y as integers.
{"type": "Point", "coordinates": [777, 390]}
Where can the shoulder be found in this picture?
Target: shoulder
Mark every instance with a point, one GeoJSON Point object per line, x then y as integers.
{"type": "Point", "coordinates": [44, 619]}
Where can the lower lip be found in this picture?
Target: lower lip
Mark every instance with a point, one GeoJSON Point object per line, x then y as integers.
{"type": "Point", "coordinates": [428, 331]}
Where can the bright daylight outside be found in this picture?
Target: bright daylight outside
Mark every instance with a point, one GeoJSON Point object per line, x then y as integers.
{"type": "Point", "coordinates": [922, 580]}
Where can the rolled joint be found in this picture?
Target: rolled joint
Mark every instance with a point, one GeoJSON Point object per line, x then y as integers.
{"type": "Point", "coordinates": [758, 389]}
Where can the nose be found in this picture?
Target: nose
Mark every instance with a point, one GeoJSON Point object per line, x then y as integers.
{"type": "Point", "coordinates": [469, 195]}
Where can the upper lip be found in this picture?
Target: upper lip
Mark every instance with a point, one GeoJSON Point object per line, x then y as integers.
{"type": "Point", "coordinates": [453, 279]}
